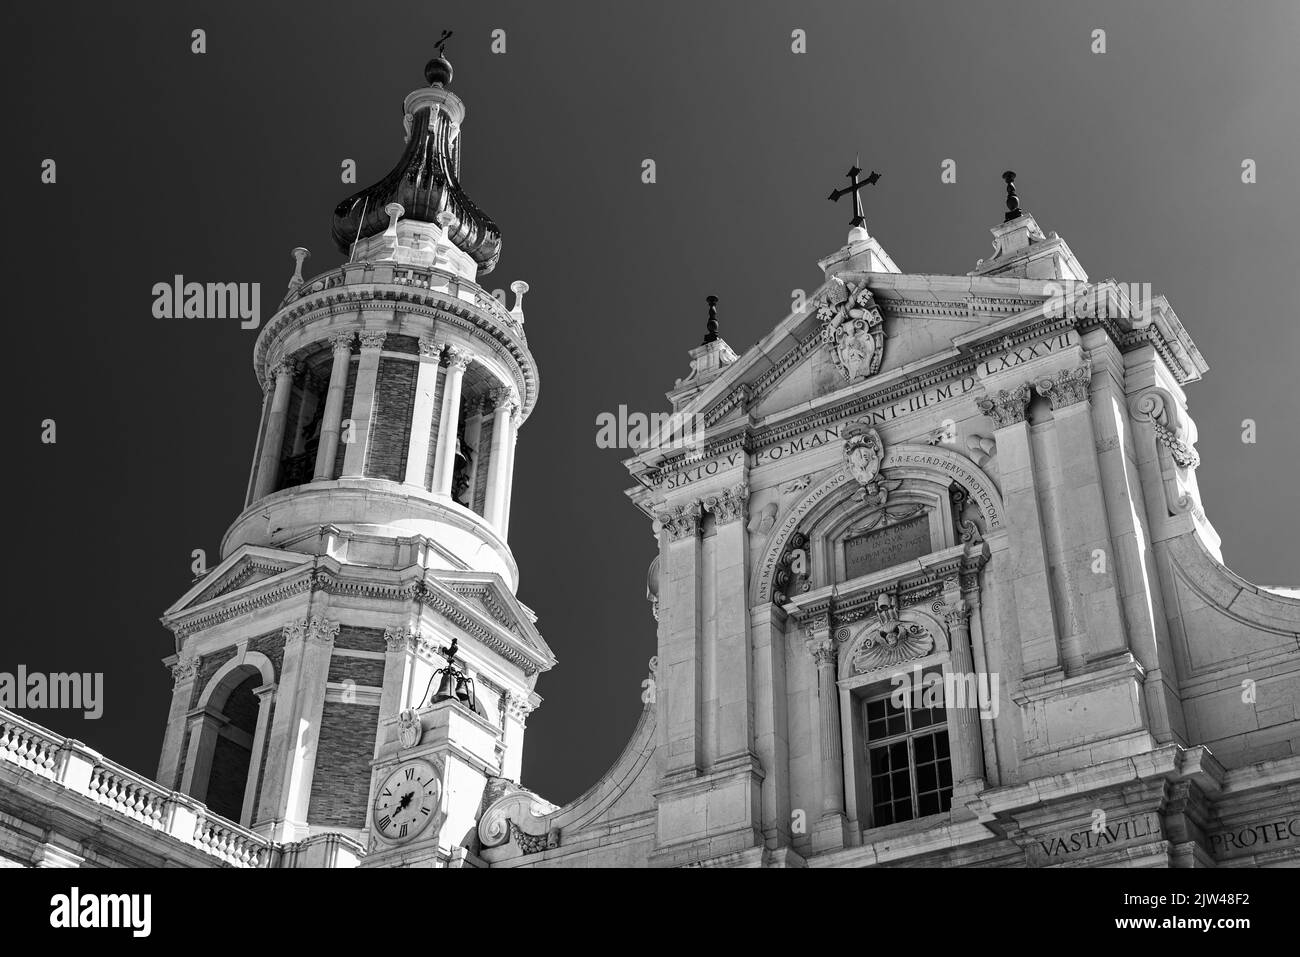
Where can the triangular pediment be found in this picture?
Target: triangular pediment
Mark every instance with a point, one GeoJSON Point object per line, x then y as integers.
{"type": "Point", "coordinates": [922, 316]}
{"type": "Point", "coordinates": [245, 569]}
{"type": "Point", "coordinates": [486, 601]}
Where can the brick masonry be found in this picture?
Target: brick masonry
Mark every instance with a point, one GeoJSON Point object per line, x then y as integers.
{"type": "Point", "coordinates": [390, 426]}
{"type": "Point", "coordinates": [406, 345]}
{"type": "Point", "coordinates": [354, 638]}
{"type": "Point", "coordinates": [341, 784]}
{"type": "Point", "coordinates": [367, 672]}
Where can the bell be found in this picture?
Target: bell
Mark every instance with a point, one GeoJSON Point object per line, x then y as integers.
{"type": "Point", "coordinates": [444, 687]}
{"type": "Point", "coordinates": [464, 691]}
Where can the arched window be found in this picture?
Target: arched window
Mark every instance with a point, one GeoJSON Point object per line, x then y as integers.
{"type": "Point", "coordinates": [227, 737]}
{"type": "Point", "coordinates": [882, 579]}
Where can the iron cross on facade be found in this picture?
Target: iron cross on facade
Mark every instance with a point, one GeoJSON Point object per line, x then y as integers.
{"type": "Point", "coordinates": [854, 185]}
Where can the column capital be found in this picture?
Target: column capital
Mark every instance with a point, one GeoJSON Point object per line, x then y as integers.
{"type": "Point", "coordinates": [457, 358]}
{"type": "Point", "coordinates": [430, 348]}
{"type": "Point", "coordinates": [1007, 407]}
{"type": "Point", "coordinates": [286, 367]}
{"type": "Point", "coordinates": [518, 707]}
{"type": "Point", "coordinates": [730, 505]}
{"type": "Point", "coordinates": [314, 628]}
{"type": "Point", "coordinates": [821, 649]}
{"type": "Point", "coordinates": [956, 614]}
{"type": "Point", "coordinates": [400, 639]}
{"type": "Point", "coordinates": [682, 521]}
{"type": "Point", "coordinates": [186, 669]}
{"type": "Point", "coordinates": [342, 341]}
{"type": "Point", "coordinates": [372, 338]}
{"type": "Point", "coordinates": [505, 399]}
{"type": "Point", "coordinates": [1068, 387]}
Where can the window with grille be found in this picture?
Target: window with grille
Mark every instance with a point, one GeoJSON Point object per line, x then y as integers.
{"type": "Point", "coordinates": [907, 758]}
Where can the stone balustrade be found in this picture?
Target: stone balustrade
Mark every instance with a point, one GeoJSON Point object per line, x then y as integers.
{"type": "Point", "coordinates": [434, 280]}
{"type": "Point", "coordinates": [70, 763]}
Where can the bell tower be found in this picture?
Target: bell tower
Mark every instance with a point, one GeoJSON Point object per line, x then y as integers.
{"type": "Point", "coordinates": [372, 553]}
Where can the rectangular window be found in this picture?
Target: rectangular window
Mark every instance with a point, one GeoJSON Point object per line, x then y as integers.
{"type": "Point", "coordinates": [907, 759]}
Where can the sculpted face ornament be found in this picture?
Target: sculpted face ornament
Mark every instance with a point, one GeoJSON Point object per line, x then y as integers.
{"type": "Point", "coordinates": [852, 328]}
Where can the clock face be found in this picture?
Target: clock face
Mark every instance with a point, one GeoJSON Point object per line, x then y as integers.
{"type": "Point", "coordinates": [407, 801]}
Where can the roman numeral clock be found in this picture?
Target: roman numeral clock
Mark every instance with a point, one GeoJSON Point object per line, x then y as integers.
{"type": "Point", "coordinates": [408, 800]}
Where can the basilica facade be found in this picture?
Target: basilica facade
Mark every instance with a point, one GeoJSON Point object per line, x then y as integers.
{"type": "Point", "coordinates": [935, 586]}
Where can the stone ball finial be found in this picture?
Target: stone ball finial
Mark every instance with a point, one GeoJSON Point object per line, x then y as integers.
{"type": "Point", "coordinates": [438, 71]}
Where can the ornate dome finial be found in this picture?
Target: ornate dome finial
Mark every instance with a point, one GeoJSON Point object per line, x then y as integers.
{"type": "Point", "coordinates": [438, 70]}
{"type": "Point", "coordinates": [426, 180]}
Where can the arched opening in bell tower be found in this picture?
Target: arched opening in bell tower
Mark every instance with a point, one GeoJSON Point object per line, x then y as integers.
{"type": "Point", "coordinates": [232, 748]}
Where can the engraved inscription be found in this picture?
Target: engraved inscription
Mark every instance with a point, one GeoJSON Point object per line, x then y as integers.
{"type": "Point", "coordinates": [887, 546]}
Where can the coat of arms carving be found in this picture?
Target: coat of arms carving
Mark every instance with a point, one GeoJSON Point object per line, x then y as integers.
{"type": "Point", "coordinates": [864, 453]}
{"type": "Point", "coordinates": [852, 328]}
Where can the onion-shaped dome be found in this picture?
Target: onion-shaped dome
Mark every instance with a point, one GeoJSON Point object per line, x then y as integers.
{"type": "Point", "coordinates": [426, 182]}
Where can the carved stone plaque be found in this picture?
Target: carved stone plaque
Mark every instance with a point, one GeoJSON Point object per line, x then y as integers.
{"type": "Point", "coordinates": [887, 546]}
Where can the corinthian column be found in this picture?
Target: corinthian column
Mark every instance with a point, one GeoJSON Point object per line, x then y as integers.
{"type": "Point", "coordinates": [444, 461]}
{"type": "Point", "coordinates": [329, 430]}
{"type": "Point", "coordinates": [822, 648]}
{"type": "Point", "coordinates": [498, 488]}
{"type": "Point", "coordinates": [426, 384]}
{"type": "Point", "coordinates": [963, 716]}
{"type": "Point", "coordinates": [268, 468]}
{"type": "Point", "coordinates": [363, 403]}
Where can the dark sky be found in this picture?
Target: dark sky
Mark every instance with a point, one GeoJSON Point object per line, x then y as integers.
{"type": "Point", "coordinates": [215, 166]}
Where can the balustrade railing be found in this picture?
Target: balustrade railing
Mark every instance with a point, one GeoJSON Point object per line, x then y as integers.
{"type": "Point", "coordinates": [71, 764]}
